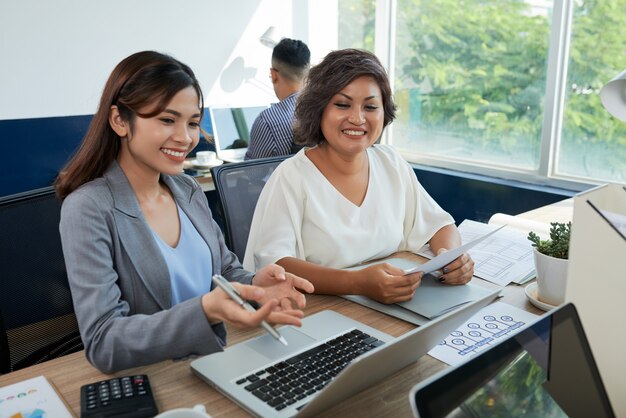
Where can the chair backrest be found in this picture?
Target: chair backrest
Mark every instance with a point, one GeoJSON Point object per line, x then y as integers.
{"type": "Point", "coordinates": [35, 300]}
{"type": "Point", "coordinates": [238, 187]}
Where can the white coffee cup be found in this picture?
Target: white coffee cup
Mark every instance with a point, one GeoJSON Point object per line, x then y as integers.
{"type": "Point", "coordinates": [197, 411]}
{"type": "Point", "coordinates": [205, 157]}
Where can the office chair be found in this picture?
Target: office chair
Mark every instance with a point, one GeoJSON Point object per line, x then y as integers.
{"type": "Point", "coordinates": [37, 321]}
{"type": "Point", "coordinates": [238, 187]}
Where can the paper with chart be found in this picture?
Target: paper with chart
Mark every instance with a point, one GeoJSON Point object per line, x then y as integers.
{"type": "Point", "coordinates": [32, 398]}
{"type": "Point", "coordinates": [502, 258]}
{"type": "Point", "coordinates": [489, 326]}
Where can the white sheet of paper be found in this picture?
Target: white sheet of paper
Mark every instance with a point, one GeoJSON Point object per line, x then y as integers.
{"type": "Point", "coordinates": [491, 325]}
{"type": "Point", "coordinates": [32, 398]}
{"type": "Point", "coordinates": [449, 256]}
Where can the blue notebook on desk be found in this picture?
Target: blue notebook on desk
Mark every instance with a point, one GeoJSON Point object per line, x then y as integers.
{"type": "Point", "coordinates": [431, 299]}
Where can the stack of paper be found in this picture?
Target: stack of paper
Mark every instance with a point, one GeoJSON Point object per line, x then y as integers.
{"type": "Point", "coordinates": [502, 258]}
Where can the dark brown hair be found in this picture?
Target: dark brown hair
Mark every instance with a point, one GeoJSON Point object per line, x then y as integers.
{"type": "Point", "coordinates": [336, 71]}
{"type": "Point", "coordinates": [142, 79]}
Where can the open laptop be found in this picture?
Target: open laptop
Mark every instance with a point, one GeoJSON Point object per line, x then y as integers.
{"type": "Point", "coordinates": [231, 130]}
{"type": "Point", "coordinates": [546, 370]}
{"type": "Point", "coordinates": [269, 379]}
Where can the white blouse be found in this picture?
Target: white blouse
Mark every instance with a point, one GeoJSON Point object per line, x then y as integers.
{"type": "Point", "coordinates": [300, 214]}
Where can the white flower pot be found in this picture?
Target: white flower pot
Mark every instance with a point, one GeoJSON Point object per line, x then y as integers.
{"type": "Point", "coordinates": [551, 278]}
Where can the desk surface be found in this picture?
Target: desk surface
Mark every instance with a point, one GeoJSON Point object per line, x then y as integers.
{"type": "Point", "coordinates": [175, 385]}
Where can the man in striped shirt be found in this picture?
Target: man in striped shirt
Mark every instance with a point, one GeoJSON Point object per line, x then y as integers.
{"type": "Point", "coordinates": [272, 134]}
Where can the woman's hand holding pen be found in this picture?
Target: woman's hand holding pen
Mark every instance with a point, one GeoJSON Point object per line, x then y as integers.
{"type": "Point", "coordinates": [219, 307]}
{"type": "Point", "coordinates": [460, 271]}
{"type": "Point", "coordinates": [386, 283]}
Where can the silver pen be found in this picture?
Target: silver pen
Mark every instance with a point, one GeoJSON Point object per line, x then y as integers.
{"type": "Point", "coordinates": [232, 293]}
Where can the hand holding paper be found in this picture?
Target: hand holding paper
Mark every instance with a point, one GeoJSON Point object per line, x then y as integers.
{"type": "Point", "coordinates": [447, 257]}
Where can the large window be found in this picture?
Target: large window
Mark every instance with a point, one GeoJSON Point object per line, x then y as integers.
{"type": "Point", "coordinates": [470, 79]}
{"type": "Point", "coordinates": [356, 24]}
{"type": "Point", "coordinates": [593, 143]}
{"type": "Point", "coordinates": [509, 87]}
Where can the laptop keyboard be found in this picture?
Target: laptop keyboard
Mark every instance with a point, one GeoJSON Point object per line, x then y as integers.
{"type": "Point", "coordinates": [286, 382]}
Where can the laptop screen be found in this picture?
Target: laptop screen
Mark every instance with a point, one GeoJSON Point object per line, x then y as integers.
{"type": "Point", "coordinates": [546, 370]}
{"type": "Point", "coordinates": [231, 128]}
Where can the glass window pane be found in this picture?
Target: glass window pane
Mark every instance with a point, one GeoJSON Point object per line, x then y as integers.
{"type": "Point", "coordinates": [593, 143]}
{"type": "Point", "coordinates": [470, 79]}
{"type": "Point", "coordinates": [357, 20]}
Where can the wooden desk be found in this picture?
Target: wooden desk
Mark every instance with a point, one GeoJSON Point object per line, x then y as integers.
{"type": "Point", "coordinates": [176, 386]}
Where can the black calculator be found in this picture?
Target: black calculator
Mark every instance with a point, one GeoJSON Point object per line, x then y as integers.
{"type": "Point", "coordinates": [128, 396]}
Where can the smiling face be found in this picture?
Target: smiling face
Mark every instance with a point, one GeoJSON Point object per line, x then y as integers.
{"type": "Point", "coordinates": [161, 143]}
{"type": "Point", "coordinates": [353, 119]}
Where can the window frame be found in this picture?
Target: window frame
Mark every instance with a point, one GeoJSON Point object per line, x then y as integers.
{"type": "Point", "coordinates": [556, 80]}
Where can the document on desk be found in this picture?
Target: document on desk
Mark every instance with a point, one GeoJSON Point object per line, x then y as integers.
{"type": "Point", "coordinates": [447, 257]}
{"type": "Point", "coordinates": [32, 398]}
{"type": "Point", "coordinates": [501, 259]}
{"type": "Point", "coordinates": [431, 298]}
{"type": "Point", "coordinates": [488, 327]}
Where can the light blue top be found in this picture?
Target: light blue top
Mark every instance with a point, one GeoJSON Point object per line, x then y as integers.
{"type": "Point", "coordinates": [189, 263]}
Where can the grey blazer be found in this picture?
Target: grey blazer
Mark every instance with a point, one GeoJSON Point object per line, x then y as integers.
{"type": "Point", "coordinates": [120, 282]}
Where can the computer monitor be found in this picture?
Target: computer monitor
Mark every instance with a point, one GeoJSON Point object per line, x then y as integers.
{"type": "Point", "coordinates": [231, 130]}
{"type": "Point", "coordinates": [546, 370]}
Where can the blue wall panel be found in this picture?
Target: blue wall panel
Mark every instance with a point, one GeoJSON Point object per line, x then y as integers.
{"type": "Point", "coordinates": [471, 196]}
{"type": "Point", "coordinates": [34, 150]}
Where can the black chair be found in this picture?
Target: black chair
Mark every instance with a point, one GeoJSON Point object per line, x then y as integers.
{"type": "Point", "coordinates": [37, 321]}
{"type": "Point", "coordinates": [238, 187]}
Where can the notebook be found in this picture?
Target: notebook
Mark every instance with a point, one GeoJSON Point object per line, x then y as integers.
{"type": "Point", "coordinates": [231, 130]}
{"type": "Point", "coordinates": [292, 382]}
{"type": "Point", "coordinates": [431, 299]}
{"type": "Point", "coordinates": [545, 370]}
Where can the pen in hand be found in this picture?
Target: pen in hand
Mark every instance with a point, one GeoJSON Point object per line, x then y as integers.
{"type": "Point", "coordinates": [232, 293]}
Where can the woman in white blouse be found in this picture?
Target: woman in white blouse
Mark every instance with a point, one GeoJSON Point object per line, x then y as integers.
{"type": "Point", "coordinates": [347, 200]}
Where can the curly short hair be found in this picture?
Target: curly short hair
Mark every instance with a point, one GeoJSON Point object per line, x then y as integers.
{"type": "Point", "coordinates": [336, 71]}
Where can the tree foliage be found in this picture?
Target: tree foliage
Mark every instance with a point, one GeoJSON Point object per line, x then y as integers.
{"type": "Point", "coordinates": [477, 70]}
{"type": "Point", "coordinates": [485, 63]}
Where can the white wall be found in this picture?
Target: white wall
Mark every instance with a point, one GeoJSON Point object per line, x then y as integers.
{"type": "Point", "coordinates": [57, 54]}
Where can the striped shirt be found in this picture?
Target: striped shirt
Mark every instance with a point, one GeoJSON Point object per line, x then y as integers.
{"type": "Point", "coordinates": [272, 131]}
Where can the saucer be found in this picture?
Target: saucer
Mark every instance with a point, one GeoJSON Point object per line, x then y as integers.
{"type": "Point", "coordinates": [215, 163]}
{"type": "Point", "coordinates": [531, 294]}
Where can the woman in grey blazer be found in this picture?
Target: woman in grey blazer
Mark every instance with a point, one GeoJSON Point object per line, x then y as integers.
{"type": "Point", "coordinates": [139, 241]}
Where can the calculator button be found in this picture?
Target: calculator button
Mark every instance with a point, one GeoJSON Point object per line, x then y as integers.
{"type": "Point", "coordinates": [123, 396]}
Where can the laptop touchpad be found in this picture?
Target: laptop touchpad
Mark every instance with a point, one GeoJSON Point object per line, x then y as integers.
{"type": "Point", "coordinates": [272, 349]}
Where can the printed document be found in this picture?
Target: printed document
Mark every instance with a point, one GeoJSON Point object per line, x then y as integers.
{"type": "Point", "coordinates": [502, 258]}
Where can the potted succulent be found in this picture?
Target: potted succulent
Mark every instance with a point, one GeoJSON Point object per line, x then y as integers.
{"type": "Point", "coordinates": [551, 262]}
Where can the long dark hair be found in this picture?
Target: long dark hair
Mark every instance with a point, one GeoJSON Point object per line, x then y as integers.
{"type": "Point", "coordinates": [142, 79]}
{"type": "Point", "coordinates": [336, 71]}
